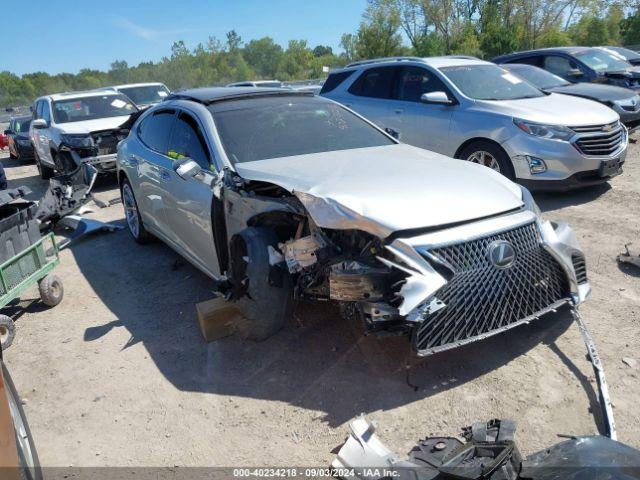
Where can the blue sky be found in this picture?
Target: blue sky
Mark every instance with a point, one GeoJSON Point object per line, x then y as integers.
{"type": "Point", "coordinates": [66, 35]}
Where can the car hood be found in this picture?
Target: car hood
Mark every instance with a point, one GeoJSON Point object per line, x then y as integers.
{"type": "Point", "coordinates": [387, 189]}
{"type": "Point", "coordinates": [595, 91]}
{"type": "Point", "coordinates": [631, 72]}
{"type": "Point", "coordinates": [96, 125]}
{"type": "Point", "coordinates": [554, 109]}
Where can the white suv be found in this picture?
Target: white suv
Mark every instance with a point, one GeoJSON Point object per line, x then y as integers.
{"type": "Point", "coordinates": [80, 127]}
{"type": "Point", "coordinates": [469, 109]}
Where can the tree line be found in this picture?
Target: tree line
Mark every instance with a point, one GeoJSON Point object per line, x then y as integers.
{"type": "Point", "coordinates": [482, 28]}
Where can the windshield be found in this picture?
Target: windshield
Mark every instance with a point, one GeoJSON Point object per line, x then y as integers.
{"type": "Point", "coordinates": [623, 52]}
{"type": "Point", "coordinates": [489, 82]}
{"type": "Point", "coordinates": [537, 76]}
{"type": "Point", "coordinates": [602, 61]}
{"type": "Point", "coordinates": [274, 127]}
{"type": "Point", "coordinates": [91, 108]}
{"type": "Point", "coordinates": [22, 126]}
{"type": "Point", "coordinates": [145, 95]}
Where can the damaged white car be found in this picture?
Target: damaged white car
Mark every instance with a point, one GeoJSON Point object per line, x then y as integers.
{"type": "Point", "coordinates": [279, 195]}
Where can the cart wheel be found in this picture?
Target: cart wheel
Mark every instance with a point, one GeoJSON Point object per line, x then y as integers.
{"type": "Point", "coordinates": [51, 290]}
{"type": "Point", "coordinates": [7, 331]}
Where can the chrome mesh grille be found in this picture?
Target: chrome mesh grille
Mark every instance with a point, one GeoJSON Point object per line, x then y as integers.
{"type": "Point", "coordinates": [481, 298]}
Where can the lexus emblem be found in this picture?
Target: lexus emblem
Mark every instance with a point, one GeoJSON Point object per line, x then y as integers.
{"type": "Point", "coordinates": [501, 254]}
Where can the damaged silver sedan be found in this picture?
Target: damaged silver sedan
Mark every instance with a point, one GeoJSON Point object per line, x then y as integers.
{"type": "Point", "coordinates": [280, 195]}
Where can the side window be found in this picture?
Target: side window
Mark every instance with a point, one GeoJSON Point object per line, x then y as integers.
{"type": "Point", "coordinates": [187, 141]}
{"type": "Point", "coordinates": [12, 125]}
{"type": "Point", "coordinates": [46, 113]}
{"type": "Point", "coordinates": [154, 130]}
{"type": "Point", "coordinates": [558, 65]}
{"type": "Point", "coordinates": [334, 80]}
{"type": "Point", "coordinates": [536, 61]}
{"type": "Point", "coordinates": [414, 81]}
{"type": "Point", "coordinates": [375, 83]}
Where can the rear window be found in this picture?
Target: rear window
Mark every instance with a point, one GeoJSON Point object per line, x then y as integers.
{"type": "Point", "coordinates": [334, 80]}
{"type": "Point", "coordinates": [275, 127]}
{"type": "Point", "coordinates": [145, 95]}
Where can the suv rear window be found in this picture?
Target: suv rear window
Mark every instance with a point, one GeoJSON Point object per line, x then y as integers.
{"type": "Point", "coordinates": [334, 80]}
{"type": "Point", "coordinates": [375, 82]}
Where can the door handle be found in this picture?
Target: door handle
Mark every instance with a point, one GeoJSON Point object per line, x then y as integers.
{"type": "Point", "coordinates": [399, 110]}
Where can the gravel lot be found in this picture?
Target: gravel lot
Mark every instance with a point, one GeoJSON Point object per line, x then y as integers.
{"type": "Point", "coordinates": [118, 373]}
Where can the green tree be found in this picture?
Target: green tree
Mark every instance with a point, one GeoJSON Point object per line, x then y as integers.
{"type": "Point", "coordinates": [264, 55]}
{"type": "Point", "coordinates": [378, 35]}
{"type": "Point", "coordinates": [630, 28]}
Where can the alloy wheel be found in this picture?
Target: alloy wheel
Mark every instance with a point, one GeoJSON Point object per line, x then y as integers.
{"type": "Point", "coordinates": [131, 211]}
{"type": "Point", "coordinates": [482, 157]}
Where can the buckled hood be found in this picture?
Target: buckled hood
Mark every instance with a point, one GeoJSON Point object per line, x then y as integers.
{"type": "Point", "coordinates": [388, 189]}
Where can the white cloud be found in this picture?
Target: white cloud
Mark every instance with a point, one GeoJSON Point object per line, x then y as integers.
{"type": "Point", "coordinates": [145, 33]}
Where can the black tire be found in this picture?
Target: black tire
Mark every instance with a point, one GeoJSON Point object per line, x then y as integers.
{"type": "Point", "coordinates": [268, 302]}
{"type": "Point", "coordinates": [45, 172]}
{"type": "Point", "coordinates": [51, 290]}
{"type": "Point", "coordinates": [27, 454]}
{"type": "Point", "coordinates": [64, 163]}
{"type": "Point", "coordinates": [12, 155]}
{"type": "Point", "coordinates": [502, 159]}
{"type": "Point", "coordinates": [130, 204]}
{"type": "Point", "coordinates": [7, 331]}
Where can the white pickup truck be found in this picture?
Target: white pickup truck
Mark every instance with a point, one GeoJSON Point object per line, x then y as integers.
{"type": "Point", "coordinates": [78, 127]}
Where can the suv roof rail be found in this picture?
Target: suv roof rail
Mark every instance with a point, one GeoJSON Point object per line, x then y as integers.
{"type": "Point", "coordinates": [384, 59]}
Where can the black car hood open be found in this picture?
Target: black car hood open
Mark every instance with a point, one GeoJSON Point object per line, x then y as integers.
{"type": "Point", "coordinates": [594, 91]}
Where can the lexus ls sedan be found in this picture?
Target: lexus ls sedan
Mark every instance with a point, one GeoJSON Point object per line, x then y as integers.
{"type": "Point", "coordinates": [277, 194]}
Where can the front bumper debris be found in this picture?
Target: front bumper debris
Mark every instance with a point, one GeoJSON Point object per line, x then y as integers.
{"type": "Point", "coordinates": [488, 450]}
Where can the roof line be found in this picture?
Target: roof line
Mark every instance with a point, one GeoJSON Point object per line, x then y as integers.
{"type": "Point", "coordinates": [239, 96]}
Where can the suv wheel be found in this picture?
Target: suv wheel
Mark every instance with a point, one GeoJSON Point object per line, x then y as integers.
{"type": "Point", "coordinates": [45, 172]}
{"type": "Point", "coordinates": [132, 214]}
{"type": "Point", "coordinates": [490, 155]}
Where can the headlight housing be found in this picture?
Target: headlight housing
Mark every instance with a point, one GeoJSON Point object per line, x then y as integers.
{"type": "Point", "coordinates": [77, 140]}
{"type": "Point", "coordinates": [552, 132]}
{"type": "Point", "coordinates": [529, 203]}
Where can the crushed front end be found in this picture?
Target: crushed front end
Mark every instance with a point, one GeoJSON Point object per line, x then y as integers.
{"type": "Point", "coordinates": [443, 288]}
{"type": "Point", "coordinates": [98, 149]}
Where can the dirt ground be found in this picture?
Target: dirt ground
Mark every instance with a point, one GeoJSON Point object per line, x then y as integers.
{"type": "Point", "coordinates": [119, 374]}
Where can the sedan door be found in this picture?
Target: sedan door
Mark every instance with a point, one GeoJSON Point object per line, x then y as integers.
{"type": "Point", "coordinates": [420, 124]}
{"type": "Point", "coordinates": [154, 168]}
{"type": "Point", "coordinates": [189, 200]}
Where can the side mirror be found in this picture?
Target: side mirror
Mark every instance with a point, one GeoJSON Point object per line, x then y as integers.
{"type": "Point", "coordinates": [39, 123]}
{"type": "Point", "coordinates": [436, 97]}
{"type": "Point", "coordinates": [575, 72]}
{"type": "Point", "coordinates": [394, 133]}
{"type": "Point", "coordinates": [187, 168]}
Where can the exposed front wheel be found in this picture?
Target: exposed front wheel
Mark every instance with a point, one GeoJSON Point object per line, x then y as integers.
{"type": "Point", "coordinates": [265, 291]}
{"type": "Point", "coordinates": [132, 214]}
{"type": "Point", "coordinates": [489, 155]}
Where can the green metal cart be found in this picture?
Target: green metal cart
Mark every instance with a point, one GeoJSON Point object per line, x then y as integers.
{"type": "Point", "coordinates": [32, 265]}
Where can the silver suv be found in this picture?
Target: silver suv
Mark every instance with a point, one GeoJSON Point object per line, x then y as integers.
{"type": "Point", "coordinates": [469, 109]}
{"type": "Point", "coordinates": [79, 127]}
{"type": "Point", "coordinates": [278, 194]}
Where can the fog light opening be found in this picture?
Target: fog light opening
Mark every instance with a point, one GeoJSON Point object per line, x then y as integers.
{"type": "Point", "coordinates": [536, 165]}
